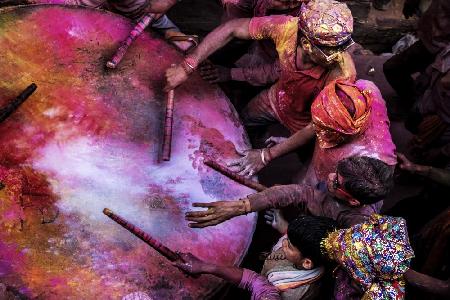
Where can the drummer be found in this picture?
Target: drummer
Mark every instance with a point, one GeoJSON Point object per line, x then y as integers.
{"type": "Point", "coordinates": [349, 195]}
{"type": "Point", "coordinates": [259, 66]}
{"type": "Point", "coordinates": [311, 49]}
{"type": "Point", "coordinates": [135, 9]}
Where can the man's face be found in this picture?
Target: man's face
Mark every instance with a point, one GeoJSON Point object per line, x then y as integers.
{"type": "Point", "coordinates": [283, 5]}
{"type": "Point", "coordinates": [314, 54]}
{"type": "Point", "coordinates": [335, 186]}
{"type": "Point", "coordinates": [334, 181]}
{"type": "Point", "coordinates": [291, 252]}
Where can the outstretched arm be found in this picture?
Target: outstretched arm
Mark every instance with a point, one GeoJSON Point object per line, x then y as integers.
{"type": "Point", "coordinates": [246, 279]}
{"type": "Point", "coordinates": [218, 38]}
{"type": "Point", "coordinates": [428, 284]}
{"type": "Point", "coordinates": [440, 176]}
{"type": "Point", "coordinates": [274, 197]}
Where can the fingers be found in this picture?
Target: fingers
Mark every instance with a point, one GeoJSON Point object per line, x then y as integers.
{"type": "Point", "coordinates": [269, 219]}
{"type": "Point", "coordinates": [197, 214]}
{"type": "Point", "coordinates": [204, 218]}
{"type": "Point", "coordinates": [269, 141]}
{"type": "Point", "coordinates": [402, 157]}
{"type": "Point", "coordinates": [234, 162]}
{"type": "Point", "coordinates": [204, 224]}
{"type": "Point", "coordinates": [246, 172]}
{"type": "Point", "coordinates": [207, 205]}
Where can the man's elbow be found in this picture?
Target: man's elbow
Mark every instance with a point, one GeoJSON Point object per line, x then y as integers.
{"type": "Point", "coordinates": [239, 28]}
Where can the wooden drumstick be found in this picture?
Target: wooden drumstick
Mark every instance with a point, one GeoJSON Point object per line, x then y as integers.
{"type": "Point", "coordinates": [137, 31]}
{"type": "Point", "coordinates": [168, 122]}
{"type": "Point", "coordinates": [236, 177]}
{"type": "Point", "coordinates": [14, 105]}
{"type": "Point", "coordinates": [163, 250]}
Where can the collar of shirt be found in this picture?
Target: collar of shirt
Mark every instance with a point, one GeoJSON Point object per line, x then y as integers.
{"type": "Point", "coordinates": [315, 72]}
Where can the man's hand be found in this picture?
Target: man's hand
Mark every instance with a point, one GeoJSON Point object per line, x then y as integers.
{"type": "Point", "coordinates": [214, 73]}
{"type": "Point", "coordinates": [216, 213]}
{"type": "Point", "coordinates": [175, 75]}
{"type": "Point", "coordinates": [190, 264]}
{"type": "Point", "coordinates": [248, 165]}
{"type": "Point", "coordinates": [159, 6]}
{"type": "Point", "coordinates": [274, 140]}
{"type": "Point", "coordinates": [405, 164]}
{"type": "Point", "coordinates": [275, 219]}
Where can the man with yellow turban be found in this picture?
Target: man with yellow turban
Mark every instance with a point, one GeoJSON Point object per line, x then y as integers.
{"type": "Point", "coordinates": [311, 50]}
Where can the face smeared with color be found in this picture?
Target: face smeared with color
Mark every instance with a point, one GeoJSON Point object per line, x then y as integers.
{"type": "Point", "coordinates": [335, 185]}
{"type": "Point", "coordinates": [314, 54]}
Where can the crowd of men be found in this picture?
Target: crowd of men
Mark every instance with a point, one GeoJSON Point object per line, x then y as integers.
{"type": "Point", "coordinates": [342, 245]}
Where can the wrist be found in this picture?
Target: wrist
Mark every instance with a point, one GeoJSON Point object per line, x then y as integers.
{"type": "Point", "coordinates": [189, 64]}
{"type": "Point", "coordinates": [422, 170]}
{"type": "Point", "coordinates": [209, 269]}
{"type": "Point", "coordinates": [236, 74]}
{"type": "Point", "coordinates": [244, 206]}
{"type": "Point", "coordinates": [266, 156]}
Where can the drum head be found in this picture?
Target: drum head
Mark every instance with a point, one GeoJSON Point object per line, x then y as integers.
{"type": "Point", "coordinates": [91, 138]}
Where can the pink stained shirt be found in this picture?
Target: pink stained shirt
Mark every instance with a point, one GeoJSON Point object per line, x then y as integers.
{"type": "Point", "coordinates": [294, 92]}
{"type": "Point", "coordinates": [375, 142]}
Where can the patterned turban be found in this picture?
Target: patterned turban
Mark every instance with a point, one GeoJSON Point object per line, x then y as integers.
{"type": "Point", "coordinates": [376, 254]}
{"type": "Point", "coordinates": [332, 121]}
{"type": "Point", "coordinates": [326, 22]}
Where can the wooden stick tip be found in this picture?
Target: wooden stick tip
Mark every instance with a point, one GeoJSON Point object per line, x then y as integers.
{"type": "Point", "coordinates": [107, 211]}
{"type": "Point", "coordinates": [111, 65]}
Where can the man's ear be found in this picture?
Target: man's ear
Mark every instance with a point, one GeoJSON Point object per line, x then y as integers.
{"type": "Point", "coordinates": [353, 202]}
{"type": "Point", "coordinates": [347, 197]}
{"type": "Point", "coordinates": [307, 264]}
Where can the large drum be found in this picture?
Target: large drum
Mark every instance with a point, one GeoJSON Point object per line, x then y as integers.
{"type": "Point", "coordinates": [90, 138]}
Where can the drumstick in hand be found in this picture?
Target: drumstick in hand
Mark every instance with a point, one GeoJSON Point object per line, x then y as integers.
{"type": "Point", "coordinates": [168, 122]}
{"type": "Point", "coordinates": [137, 31]}
{"type": "Point", "coordinates": [14, 105]}
{"type": "Point", "coordinates": [236, 177]}
{"type": "Point", "coordinates": [163, 250]}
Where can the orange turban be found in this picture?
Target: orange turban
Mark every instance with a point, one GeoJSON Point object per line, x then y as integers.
{"type": "Point", "coordinates": [333, 122]}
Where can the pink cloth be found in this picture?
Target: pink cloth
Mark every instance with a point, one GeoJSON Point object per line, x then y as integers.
{"type": "Point", "coordinates": [375, 142]}
{"type": "Point", "coordinates": [258, 285]}
{"type": "Point", "coordinates": [296, 89]}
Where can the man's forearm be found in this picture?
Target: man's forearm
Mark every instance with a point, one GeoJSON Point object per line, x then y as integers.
{"type": "Point", "coordinates": [230, 274]}
{"type": "Point", "coordinates": [219, 37]}
{"type": "Point", "coordinates": [297, 140]}
{"type": "Point", "coordinates": [257, 76]}
{"type": "Point", "coordinates": [441, 176]}
{"type": "Point", "coordinates": [427, 283]}
{"type": "Point", "coordinates": [281, 196]}
{"type": "Point", "coordinates": [160, 6]}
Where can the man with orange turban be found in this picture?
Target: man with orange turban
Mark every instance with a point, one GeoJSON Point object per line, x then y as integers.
{"type": "Point", "coordinates": [347, 119]}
